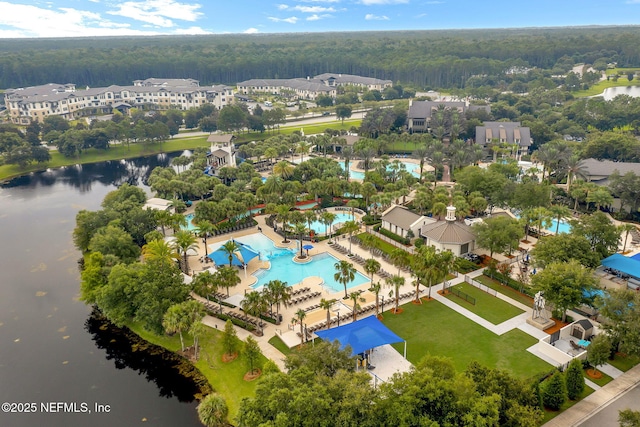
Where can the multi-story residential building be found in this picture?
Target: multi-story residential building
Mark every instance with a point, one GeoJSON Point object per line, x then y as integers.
{"type": "Point", "coordinates": [37, 102]}
{"type": "Point", "coordinates": [510, 133]}
{"type": "Point", "coordinates": [421, 112]}
{"type": "Point", "coordinates": [310, 88]}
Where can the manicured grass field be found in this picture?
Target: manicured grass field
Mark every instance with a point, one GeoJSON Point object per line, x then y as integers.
{"type": "Point", "coordinates": [385, 247]}
{"type": "Point", "coordinates": [225, 378]}
{"type": "Point", "coordinates": [505, 290]}
{"type": "Point", "coordinates": [487, 306]}
{"type": "Point", "coordinates": [599, 87]}
{"type": "Point", "coordinates": [624, 363]}
{"type": "Point", "coordinates": [277, 342]}
{"type": "Point", "coordinates": [432, 328]}
{"type": "Point", "coordinates": [292, 127]}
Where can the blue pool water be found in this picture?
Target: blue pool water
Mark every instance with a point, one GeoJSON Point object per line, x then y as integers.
{"type": "Point", "coordinates": [319, 228]}
{"type": "Point", "coordinates": [565, 227]}
{"type": "Point", "coordinates": [283, 268]}
{"type": "Point", "coordinates": [190, 225]}
{"type": "Point", "coordinates": [412, 168]}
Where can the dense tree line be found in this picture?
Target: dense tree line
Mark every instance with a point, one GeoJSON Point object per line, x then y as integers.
{"type": "Point", "coordinates": [420, 58]}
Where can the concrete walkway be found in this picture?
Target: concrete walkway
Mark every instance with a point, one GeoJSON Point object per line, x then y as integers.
{"type": "Point", "coordinates": [592, 404]}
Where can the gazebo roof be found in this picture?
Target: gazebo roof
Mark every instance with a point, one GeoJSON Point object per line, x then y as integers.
{"type": "Point", "coordinates": [361, 335]}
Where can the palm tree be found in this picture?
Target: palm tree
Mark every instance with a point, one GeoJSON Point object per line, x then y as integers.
{"type": "Point", "coordinates": [400, 258]}
{"type": "Point", "coordinates": [601, 197]}
{"type": "Point", "coordinates": [372, 266]}
{"type": "Point", "coordinates": [280, 292]}
{"type": "Point", "coordinates": [164, 219]}
{"type": "Point", "coordinates": [326, 305]}
{"type": "Point", "coordinates": [283, 169]}
{"type": "Point", "coordinates": [327, 219]}
{"type": "Point", "coordinates": [300, 230]}
{"type": "Point", "coordinates": [174, 321]}
{"type": "Point", "coordinates": [368, 241]}
{"type": "Point", "coordinates": [196, 331]}
{"type": "Point", "coordinates": [300, 315]}
{"type": "Point", "coordinates": [574, 168]}
{"type": "Point", "coordinates": [376, 288]}
{"type": "Point", "coordinates": [626, 229]}
{"type": "Point", "coordinates": [206, 229]}
{"type": "Point", "coordinates": [421, 154]}
{"type": "Point", "coordinates": [350, 227]}
{"type": "Point", "coordinates": [159, 250]}
{"type": "Point", "coordinates": [230, 248]}
{"type": "Point", "coordinates": [205, 283]}
{"type": "Point", "coordinates": [347, 155]}
{"type": "Point", "coordinates": [355, 297]}
{"type": "Point", "coordinates": [397, 282]}
{"type": "Point", "coordinates": [302, 148]}
{"type": "Point", "coordinates": [345, 274]}
{"type": "Point", "coordinates": [227, 277]}
{"type": "Point", "coordinates": [254, 304]}
{"type": "Point", "coordinates": [283, 213]}
{"type": "Point", "coordinates": [185, 241]}
{"type": "Point", "coordinates": [558, 212]}
{"type": "Point", "coordinates": [178, 221]}
{"type": "Point", "coordinates": [213, 411]}
{"type": "Point", "coordinates": [311, 217]}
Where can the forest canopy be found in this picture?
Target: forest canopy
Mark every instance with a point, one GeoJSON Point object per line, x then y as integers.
{"type": "Point", "coordinates": [424, 59]}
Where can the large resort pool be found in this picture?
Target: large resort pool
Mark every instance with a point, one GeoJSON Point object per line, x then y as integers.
{"type": "Point", "coordinates": [412, 168]}
{"type": "Point", "coordinates": [283, 268]}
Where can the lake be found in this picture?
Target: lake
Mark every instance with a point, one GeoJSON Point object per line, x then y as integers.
{"type": "Point", "coordinates": [51, 347]}
{"type": "Point", "coordinates": [612, 92]}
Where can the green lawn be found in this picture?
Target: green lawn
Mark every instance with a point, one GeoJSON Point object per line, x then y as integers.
{"type": "Point", "coordinates": [291, 127]}
{"type": "Point", "coordinates": [487, 306]}
{"type": "Point", "coordinates": [277, 342]}
{"type": "Point", "coordinates": [385, 247]}
{"type": "Point", "coordinates": [624, 363]}
{"type": "Point", "coordinates": [505, 290]}
{"type": "Point", "coordinates": [604, 380]}
{"type": "Point", "coordinates": [225, 378]}
{"type": "Point", "coordinates": [432, 328]}
{"type": "Point", "coordinates": [401, 147]}
{"type": "Point", "coordinates": [548, 415]}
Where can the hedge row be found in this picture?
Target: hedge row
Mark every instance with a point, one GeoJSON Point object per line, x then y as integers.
{"type": "Point", "coordinates": [392, 236]}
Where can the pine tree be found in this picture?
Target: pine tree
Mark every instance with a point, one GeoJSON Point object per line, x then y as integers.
{"type": "Point", "coordinates": [574, 379]}
{"type": "Point", "coordinates": [554, 393]}
{"type": "Point", "coordinates": [230, 339]}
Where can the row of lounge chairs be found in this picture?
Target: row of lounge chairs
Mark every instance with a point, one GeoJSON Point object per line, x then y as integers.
{"type": "Point", "coordinates": [384, 274]}
{"type": "Point", "coordinates": [305, 297]}
{"type": "Point", "coordinates": [300, 291]}
{"type": "Point", "coordinates": [245, 318]}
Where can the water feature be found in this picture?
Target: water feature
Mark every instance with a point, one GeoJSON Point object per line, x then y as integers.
{"type": "Point", "coordinates": [412, 168]}
{"type": "Point", "coordinates": [283, 268]}
{"type": "Point", "coordinates": [612, 92]}
{"type": "Point", "coordinates": [52, 349]}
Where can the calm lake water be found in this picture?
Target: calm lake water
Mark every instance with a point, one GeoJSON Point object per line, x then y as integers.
{"type": "Point", "coordinates": [51, 348]}
{"type": "Point", "coordinates": [612, 92]}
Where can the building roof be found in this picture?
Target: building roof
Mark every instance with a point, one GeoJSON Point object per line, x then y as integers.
{"type": "Point", "coordinates": [448, 232]}
{"type": "Point", "coordinates": [225, 138]}
{"type": "Point", "coordinates": [584, 324]}
{"type": "Point", "coordinates": [352, 79]}
{"type": "Point", "coordinates": [423, 109]}
{"type": "Point", "coordinates": [361, 335]}
{"type": "Point", "coordinates": [509, 131]}
{"type": "Point", "coordinates": [598, 170]}
{"type": "Point", "coordinates": [623, 264]}
{"type": "Point", "coordinates": [400, 217]}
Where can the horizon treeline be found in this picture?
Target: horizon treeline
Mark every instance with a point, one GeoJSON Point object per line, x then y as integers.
{"type": "Point", "coordinates": [422, 59]}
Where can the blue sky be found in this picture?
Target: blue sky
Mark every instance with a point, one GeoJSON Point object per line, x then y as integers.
{"type": "Point", "coordinates": [76, 18]}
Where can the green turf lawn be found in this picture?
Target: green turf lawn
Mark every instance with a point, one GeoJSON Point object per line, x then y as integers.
{"type": "Point", "coordinates": [487, 306]}
{"type": "Point", "coordinates": [277, 342]}
{"type": "Point", "coordinates": [385, 247]}
{"type": "Point", "coordinates": [505, 290]}
{"type": "Point", "coordinates": [599, 87]}
{"type": "Point", "coordinates": [225, 378]}
{"type": "Point", "coordinates": [624, 363]}
{"type": "Point", "coordinates": [432, 328]}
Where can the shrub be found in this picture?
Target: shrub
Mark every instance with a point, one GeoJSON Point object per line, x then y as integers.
{"type": "Point", "coordinates": [393, 236]}
{"type": "Point", "coordinates": [463, 266]}
{"type": "Point", "coordinates": [574, 379]}
{"type": "Point", "coordinates": [554, 393]}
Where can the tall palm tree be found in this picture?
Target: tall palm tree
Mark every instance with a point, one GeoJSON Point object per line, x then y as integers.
{"type": "Point", "coordinates": [327, 219]}
{"type": "Point", "coordinates": [205, 283]}
{"type": "Point", "coordinates": [283, 213]}
{"type": "Point", "coordinates": [347, 155]}
{"type": "Point", "coordinates": [558, 212]}
{"type": "Point", "coordinates": [300, 315]}
{"type": "Point", "coordinates": [376, 288]}
{"type": "Point", "coordinates": [206, 229]}
{"type": "Point", "coordinates": [421, 154]}
{"type": "Point", "coordinates": [311, 217]}
{"type": "Point", "coordinates": [164, 219]}
{"type": "Point", "coordinates": [159, 250]}
{"type": "Point", "coordinates": [185, 241]}
{"type": "Point", "coordinates": [213, 411]}
{"type": "Point", "coordinates": [174, 321]}
{"type": "Point", "coordinates": [196, 331]}
{"type": "Point", "coordinates": [345, 274]}
{"type": "Point", "coordinates": [372, 266]}
{"type": "Point", "coordinates": [400, 258]}
{"type": "Point", "coordinates": [350, 227]}
{"type": "Point", "coordinates": [283, 169]}
{"type": "Point", "coordinates": [574, 168]}
{"type": "Point", "coordinates": [280, 292]}
{"type": "Point", "coordinates": [254, 304]}
{"type": "Point", "coordinates": [355, 297]}
{"type": "Point", "coordinates": [230, 248]}
{"type": "Point", "coordinates": [302, 148]}
{"type": "Point", "coordinates": [227, 277]}
{"type": "Point", "coordinates": [626, 229]}
{"type": "Point", "coordinates": [326, 304]}
{"type": "Point", "coordinates": [396, 282]}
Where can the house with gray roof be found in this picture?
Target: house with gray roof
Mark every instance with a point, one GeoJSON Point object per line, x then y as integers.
{"type": "Point", "coordinates": [598, 171]}
{"type": "Point", "coordinates": [339, 79]}
{"type": "Point", "coordinates": [421, 112]}
{"type": "Point", "coordinates": [511, 133]}
{"type": "Point", "coordinates": [292, 88]}
{"type": "Point", "coordinates": [400, 220]}
{"type": "Point", "coordinates": [449, 235]}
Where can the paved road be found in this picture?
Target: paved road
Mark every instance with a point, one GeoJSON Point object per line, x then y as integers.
{"type": "Point", "coordinates": [608, 415]}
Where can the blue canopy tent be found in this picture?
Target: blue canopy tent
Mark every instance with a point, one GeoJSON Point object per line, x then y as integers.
{"type": "Point", "coordinates": [241, 257]}
{"type": "Point", "coordinates": [623, 264]}
{"type": "Point", "coordinates": [362, 335]}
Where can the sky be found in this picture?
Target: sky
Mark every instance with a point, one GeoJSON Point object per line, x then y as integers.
{"type": "Point", "coordinates": [83, 18]}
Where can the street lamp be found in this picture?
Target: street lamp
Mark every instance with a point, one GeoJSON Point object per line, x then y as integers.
{"type": "Point", "coordinates": [382, 311]}
{"type": "Point", "coordinates": [338, 311]}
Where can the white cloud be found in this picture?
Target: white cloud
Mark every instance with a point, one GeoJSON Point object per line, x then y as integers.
{"type": "Point", "coordinates": [290, 20]}
{"type": "Point", "coordinates": [251, 31]}
{"type": "Point", "coordinates": [192, 31]}
{"type": "Point", "coordinates": [372, 17]}
{"type": "Point", "coordinates": [313, 9]}
{"type": "Point", "coordinates": [158, 12]}
{"type": "Point", "coordinates": [283, 6]}
{"type": "Point", "coordinates": [374, 2]}
{"type": "Point", "coordinates": [316, 17]}
{"type": "Point", "coordinates": [32, 21]}
{"type": "Point", "coordinates": [319, 1]}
